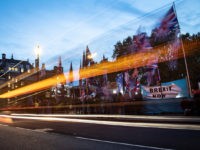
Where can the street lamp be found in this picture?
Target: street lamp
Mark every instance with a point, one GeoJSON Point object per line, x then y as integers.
{"type": "Point", "coordinates": [91, 56]}
{"type": "Point", "coordinates": [38, 51]}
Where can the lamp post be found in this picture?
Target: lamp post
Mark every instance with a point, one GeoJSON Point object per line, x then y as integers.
{"type": "Point", "coordinates": [37, 52]}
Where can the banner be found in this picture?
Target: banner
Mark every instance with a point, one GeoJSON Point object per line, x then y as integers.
{"type": "Point", "coordinates": [174, 89]}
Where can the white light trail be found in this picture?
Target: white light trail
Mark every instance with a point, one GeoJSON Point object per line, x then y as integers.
{"type": "Point", "coordinates": [113, 123]}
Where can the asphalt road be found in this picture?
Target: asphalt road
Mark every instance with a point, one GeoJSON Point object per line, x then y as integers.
{"type": "Point", "coordinates": [36, 134]}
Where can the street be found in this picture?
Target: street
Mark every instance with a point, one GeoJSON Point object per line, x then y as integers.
{"type": "Point", "coordinates": [49, 134]}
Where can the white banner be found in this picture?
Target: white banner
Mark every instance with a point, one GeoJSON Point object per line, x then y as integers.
{"type": "Point", "coordinates": [159, 92]}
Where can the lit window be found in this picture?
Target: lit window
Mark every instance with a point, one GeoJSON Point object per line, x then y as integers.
{"type": "Point", "coordinates": [22, 69]}
{"type": "Point", "coordinates": [9, 77]}
{"type": "Point", "coordinates": [16, 69]}
{"type": "Point", "coordinates": [9, 68]}
{"type": "Point", "coordinates": [8, 84]}
{"type": "Point", "coordinates": [29, 70]}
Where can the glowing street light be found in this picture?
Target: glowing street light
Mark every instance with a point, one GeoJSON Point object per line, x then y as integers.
{"type": "Point", "coordinates": [38, 51]}
{"type": "Point", "coordinates": [91, 56]}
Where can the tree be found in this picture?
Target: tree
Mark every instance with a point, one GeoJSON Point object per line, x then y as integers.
{"type": "Point", "coordinates": [193, 60]}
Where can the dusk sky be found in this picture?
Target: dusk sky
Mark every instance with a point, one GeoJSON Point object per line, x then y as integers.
{"type": "Point", "coordinates": [64, 27]}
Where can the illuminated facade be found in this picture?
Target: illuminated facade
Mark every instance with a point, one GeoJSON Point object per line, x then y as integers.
{"type": "Point", "coordinates": [10, 69]}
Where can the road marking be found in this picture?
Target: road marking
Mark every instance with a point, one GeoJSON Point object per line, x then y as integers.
{"type": "Point", "coordinates": [20, 128]}
{"type": "Point", "coordinates": [24, 129]}
{"type": "Point", "coordinates": [43, 130]}
{"type": "Point", "coordinates": [121, 143]}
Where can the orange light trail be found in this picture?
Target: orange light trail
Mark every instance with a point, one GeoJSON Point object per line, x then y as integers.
{"type": "Point", "coordinates": [123, 63]}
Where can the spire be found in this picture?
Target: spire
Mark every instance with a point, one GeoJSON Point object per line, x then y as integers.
{"type": "Point", "coordinates": [71, 68]}
{"type": "Point", "coordinates": [104, 57]}
{"type": "Point", "coordinates": [88, 56]}
{"type": "Point", "coordinates": [88, 53]}
{"type": "Point", "coordinates": [87, 49]}
{"type": "Point", "coordinates": [80, 66]}
{"type": "Point", "coordinates": [12, 56]}
{"type": "Point", "coordinates": [60, 68]}
{"type": "Point", "coordinates": [71, 77]}
{"type": "Point", "coordinates": [83, 63]}
{"type": "Point", "coordinates": [80, 80]}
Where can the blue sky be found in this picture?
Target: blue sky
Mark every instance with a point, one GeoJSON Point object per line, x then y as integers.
{"type": "Point", "coordinates": [64, 27]}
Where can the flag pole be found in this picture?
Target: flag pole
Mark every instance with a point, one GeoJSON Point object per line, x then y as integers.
{"type": "Point", "coordinates": [185, 60]}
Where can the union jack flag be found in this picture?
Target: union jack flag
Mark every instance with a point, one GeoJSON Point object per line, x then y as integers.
{"type": "Point", "coordinates": [168, 24]}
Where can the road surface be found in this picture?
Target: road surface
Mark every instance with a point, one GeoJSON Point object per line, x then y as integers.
{"type": "Point", "coordinates": [32, 133]}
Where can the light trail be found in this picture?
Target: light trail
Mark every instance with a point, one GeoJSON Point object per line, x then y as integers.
{"type": "Point", "coordinates": [163, 118]}
{"type": "Point", "coordinates": [123, 63]}
{"type": "Point", "coordinates": [112, 123]}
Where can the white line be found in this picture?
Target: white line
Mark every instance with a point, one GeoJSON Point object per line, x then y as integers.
{"type": "Point", "coordinates": [20, 128]}
{"type": "Point", "coordinates": [179, 118]}
{"type": "Point", "coordinates": [113, 123]}
{"type": "Point", "coordinates": [121, 143]}
{"type": "Point", "coordinates": [43, 130]}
